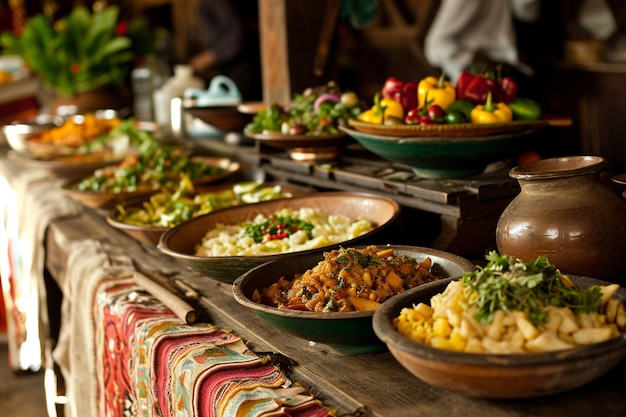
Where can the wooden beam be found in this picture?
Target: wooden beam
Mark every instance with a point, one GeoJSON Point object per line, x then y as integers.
{"type": "Point", "coordinates": [274, 53]}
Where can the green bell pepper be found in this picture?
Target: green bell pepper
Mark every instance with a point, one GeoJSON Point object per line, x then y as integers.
{"type": "Point", "coordinates": [461, 106]}
{"type": "Point", "coordinates": [525, 109]}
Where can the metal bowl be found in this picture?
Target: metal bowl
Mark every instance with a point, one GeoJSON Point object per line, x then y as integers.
{"type": "Point", "coordinates": [17, 133]}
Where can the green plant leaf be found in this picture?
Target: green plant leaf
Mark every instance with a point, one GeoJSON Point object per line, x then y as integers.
{"type": "Point", "coordinates": [80, 51]}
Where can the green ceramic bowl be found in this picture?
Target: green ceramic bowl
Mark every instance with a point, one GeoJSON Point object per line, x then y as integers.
{"type": "Point", "coordinates": [491, 375]}
{"type": "Point", "coordinates": [444, 156]}
{"type": "Point", "coordinates": [181, 241]}
{"type": "Point", "coordinates": [348, 333]}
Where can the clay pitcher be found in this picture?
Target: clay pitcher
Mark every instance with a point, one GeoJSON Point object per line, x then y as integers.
{"type": "Point", "coordinates": [566, 214]}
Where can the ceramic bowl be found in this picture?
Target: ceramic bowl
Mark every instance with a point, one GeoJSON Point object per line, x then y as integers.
{"type": "Point", "coordinates": [22, 136]}
{"type": "Point", "coordinates": [180, 242]}
{"type": "Point", "coordinates": [17, 133]}
{"type": "Point", "coordinates": [305, 147]}
{"type": "Point", "coordinates": [491, 375]}
{"type": "Point", "coordinates": [348, 333]}
{"type": "Point", "coordinates": [108, 200]}
{"type": "Point", "coordinates": [152, 234]}
{"type": "Point", "coordinates": [447, 155]}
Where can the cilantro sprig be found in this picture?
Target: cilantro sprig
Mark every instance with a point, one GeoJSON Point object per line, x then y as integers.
{"type": "Point", "coordinates": [507, 283]}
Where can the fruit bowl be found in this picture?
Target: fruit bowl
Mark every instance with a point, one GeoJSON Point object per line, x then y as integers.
{"type": "Point", "coordinates": [443, 153]}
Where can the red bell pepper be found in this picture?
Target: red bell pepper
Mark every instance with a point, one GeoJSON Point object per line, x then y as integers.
{"type": "Point", "coordinates": [409, 95]}
{"type": "Point", "coordinates": [392, 88]}
{"type": "Point", "coordinates": [461, 85]}
{"type": "Point", "coordinates": [509, 88]}
{"type": "Point", "coordinates": [474, 88]}
{"type": "Point", "coordinates": [403, 92]}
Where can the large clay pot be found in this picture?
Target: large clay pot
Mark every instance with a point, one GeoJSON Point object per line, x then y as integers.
{"type": "Point", "coordinates": [566, 214]}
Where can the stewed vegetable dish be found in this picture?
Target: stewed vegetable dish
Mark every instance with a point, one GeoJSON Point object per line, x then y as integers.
{"type": "Point", "coordinates": [348, 279]}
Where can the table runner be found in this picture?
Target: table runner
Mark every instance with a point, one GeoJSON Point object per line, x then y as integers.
{"type": "Point", "coordinates": [30, 201]}
{"type": "Point", "coordinates": [136, 357]}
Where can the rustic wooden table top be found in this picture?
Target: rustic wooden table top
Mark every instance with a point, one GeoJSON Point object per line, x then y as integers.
{"type": "Point", "coordinates": [372, 385]}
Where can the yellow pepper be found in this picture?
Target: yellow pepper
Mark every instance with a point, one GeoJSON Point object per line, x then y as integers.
{"type": "Point", "coordinates": [491, 112]}
{"type": "Point", "coordinates": [437, 91]}
{"type": "Point", "coordinates": [382, 110]}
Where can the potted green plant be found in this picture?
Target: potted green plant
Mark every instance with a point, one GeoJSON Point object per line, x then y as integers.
{"type": "Point", "coordinates": [81, 52]}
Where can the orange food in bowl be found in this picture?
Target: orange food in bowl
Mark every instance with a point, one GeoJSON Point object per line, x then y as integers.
{"type": "Point", "coordinates": [77, 131]}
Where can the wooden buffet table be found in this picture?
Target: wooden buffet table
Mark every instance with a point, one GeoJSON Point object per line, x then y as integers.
{"type": "Point", "coordinates": [373, 385]}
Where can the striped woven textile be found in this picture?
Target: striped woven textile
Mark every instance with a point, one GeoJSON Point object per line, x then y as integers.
{"type": "Point", "coordinates": [149, 363]}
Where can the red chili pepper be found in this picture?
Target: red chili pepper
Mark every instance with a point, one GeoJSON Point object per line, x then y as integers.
{"type": "Point", "coordinates": [436, 113]}
{"type": "Point", "coordinates": [425, 115]}
{"type": "Point", "coordinates": [413, 117]}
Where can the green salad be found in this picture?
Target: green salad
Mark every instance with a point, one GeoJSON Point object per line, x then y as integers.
{"type": "Point", "coordinates": [156, 168]}
{"type": "Point", "coordinates": [509, 284]}
{"type": "Point", "coordinates": [168, 209]}
{"type": "Point", "coordinates": [316, 111]}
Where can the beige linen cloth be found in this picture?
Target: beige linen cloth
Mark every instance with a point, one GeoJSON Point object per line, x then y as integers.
{"type": "Point", "coordinates": [30, 202]}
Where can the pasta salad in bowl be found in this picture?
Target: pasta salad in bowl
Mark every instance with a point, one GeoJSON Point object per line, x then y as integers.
{"type": "Point", "coordinates": [510, 329]}
{"type": "Point", "coordinates": [227, 243]}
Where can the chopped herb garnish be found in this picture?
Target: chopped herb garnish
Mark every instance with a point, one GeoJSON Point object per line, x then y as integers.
{"type": "Point", "coordinates": [352, 255]}
{"type": "Point", "coordinates": [509, 284]}
{"type": "Point", "coordinates": [276, 227]}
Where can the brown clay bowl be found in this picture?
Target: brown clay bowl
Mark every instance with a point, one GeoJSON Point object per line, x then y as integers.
{"type": "Point", "coordinates": [180, 242]}
{"type": "Point", "coordinates": [108, 200]}
{"type": "Point", "coordinates": [491, 375]}
{"type": "Point", "coordinates": [152, 234]}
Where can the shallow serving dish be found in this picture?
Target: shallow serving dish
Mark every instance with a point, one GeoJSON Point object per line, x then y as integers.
{"type": "Point", "coordinates": [444, 155]}
{"type": "Point", "coordinates": [457, 130]}
{"type": "Point", "coordinates": [348, 333]}
{"type": "Point", "coordinates": [305, 147]}
{"type": "Point", "coordinates": [17, 133]}
{"type": "Point", "coordinates": [22, 136]}
{"type": "Point", "coordinates": [107, 200]}
{"type": "Point", "coordinates": [491, 375]}
{"type": "Point", "coordinates": [152, 234]}
{"type": "Point", "coordinates": [181, 241]}
{"type": "Point", "coordinates": [71, 167]}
